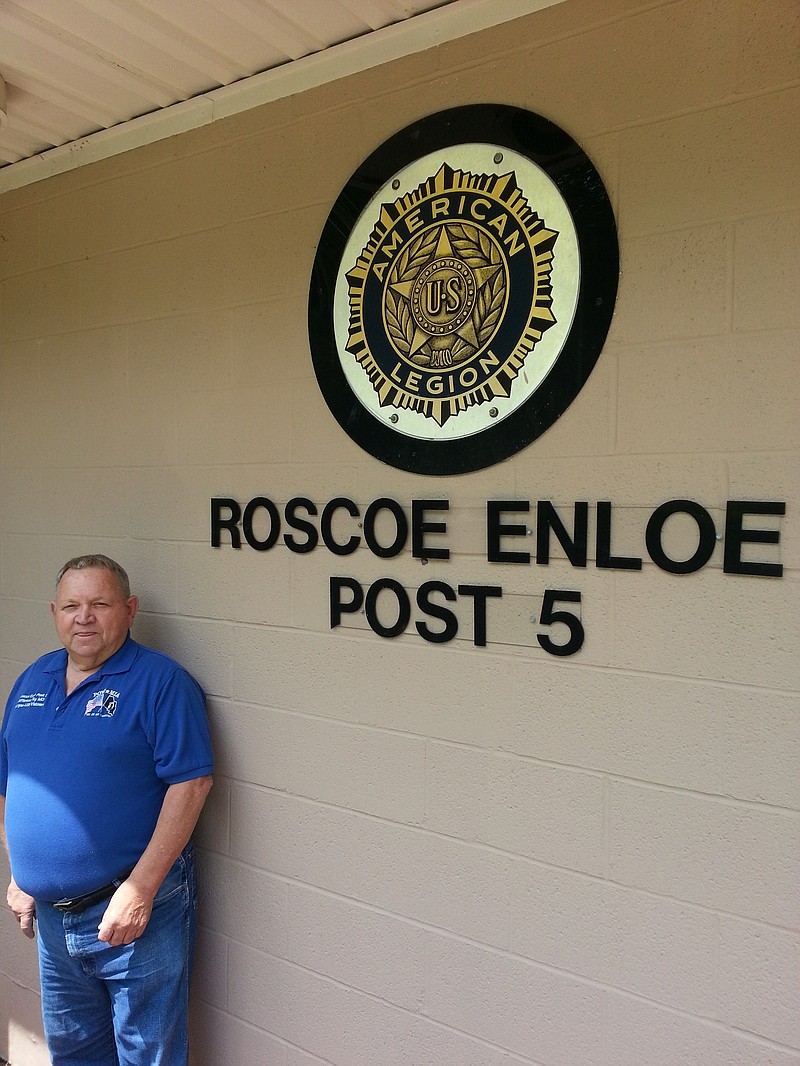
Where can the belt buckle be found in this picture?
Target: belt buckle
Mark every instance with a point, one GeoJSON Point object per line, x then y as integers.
{"type": "Point", "coordinates": [66, 905]}
{"type": "Point", "coordinates": [78, 904]}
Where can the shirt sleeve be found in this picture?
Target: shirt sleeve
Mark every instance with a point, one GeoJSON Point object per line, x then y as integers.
{"type": "Point", "coordinates": [4, 743]}
{"type": "Point", "coordinates": [179, 731]}
{"type": "Point", "coordinates": [3, 760]}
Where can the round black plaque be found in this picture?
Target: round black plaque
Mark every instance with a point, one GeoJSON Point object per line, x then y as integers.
{"type": "Point", "coordinates": [462, 289]}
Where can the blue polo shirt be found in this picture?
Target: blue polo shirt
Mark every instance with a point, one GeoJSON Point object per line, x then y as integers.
{"type": "Point", "coordinates": [85, 775]}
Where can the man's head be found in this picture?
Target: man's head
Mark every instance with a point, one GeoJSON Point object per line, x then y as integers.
{"type": "Point", "coordinates": [93, 609]}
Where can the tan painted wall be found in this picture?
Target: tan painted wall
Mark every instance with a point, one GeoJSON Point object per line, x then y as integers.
{"type": "Point", "coordinates": [444, 855]}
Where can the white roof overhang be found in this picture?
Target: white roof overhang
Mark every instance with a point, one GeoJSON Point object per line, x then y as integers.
{"type": "Point", "coordinates": [86, 79]}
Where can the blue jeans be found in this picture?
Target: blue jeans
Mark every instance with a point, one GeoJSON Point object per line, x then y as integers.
{"type": "Point", "coordinates": [120, 1006]}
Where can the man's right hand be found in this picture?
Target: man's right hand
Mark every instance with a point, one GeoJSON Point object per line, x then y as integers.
{"type": "Point", "coordinates": [24, 908]}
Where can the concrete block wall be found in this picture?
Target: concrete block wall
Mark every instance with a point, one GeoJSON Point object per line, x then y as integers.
{"type": "Point", "coordinates": [422, 855]}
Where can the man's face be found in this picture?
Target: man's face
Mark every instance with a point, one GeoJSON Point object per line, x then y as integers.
{"type": "Point", "coordinates": [92, 617]}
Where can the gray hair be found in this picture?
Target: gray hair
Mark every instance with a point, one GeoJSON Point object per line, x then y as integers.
{"type": "Point", "coordinates": [99, 562]}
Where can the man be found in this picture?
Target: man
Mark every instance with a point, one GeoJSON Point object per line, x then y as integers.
{"type": "Point", "coordinates": [105, 763]}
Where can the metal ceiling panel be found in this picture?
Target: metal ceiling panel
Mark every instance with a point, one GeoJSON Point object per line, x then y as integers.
{"type": "Point", "coordinates": [76, 74]}
{"type": "Point", "coordinates": [74, 68]}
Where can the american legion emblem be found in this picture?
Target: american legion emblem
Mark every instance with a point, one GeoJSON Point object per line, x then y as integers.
{"type": "Point", "coordinates": [462, 289]}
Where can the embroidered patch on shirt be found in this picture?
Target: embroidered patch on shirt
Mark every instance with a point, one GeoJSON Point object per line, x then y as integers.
{"type": "Point", "coordinates": [103, 704]}
{"type": "Point", "coordinates": [32, 699]}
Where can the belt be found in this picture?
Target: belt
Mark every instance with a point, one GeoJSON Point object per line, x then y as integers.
{"type": "Point", "coordinates": [78, 904]}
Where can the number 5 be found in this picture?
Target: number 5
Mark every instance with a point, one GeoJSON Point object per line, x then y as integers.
{"type": "Point", "coordinates": [570, 620]}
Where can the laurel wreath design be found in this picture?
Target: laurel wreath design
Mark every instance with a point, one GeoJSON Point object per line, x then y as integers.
{"type": "Point", "coordinates": [475, 249]}
{"type": "Point", "coordinates": [399, 324]}
{"type": "Point", "coordinates": [412, 259]}
{"type": "Point", "coordinates": [475, 253]}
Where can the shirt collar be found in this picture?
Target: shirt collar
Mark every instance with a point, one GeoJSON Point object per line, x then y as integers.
{"type": "Point", "coordinates": [119, 663]}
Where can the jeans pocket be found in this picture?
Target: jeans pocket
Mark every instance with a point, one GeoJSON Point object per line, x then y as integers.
{"type": "Point", "coordinates": [177, 881]}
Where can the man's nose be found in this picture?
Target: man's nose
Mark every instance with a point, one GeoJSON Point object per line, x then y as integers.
{"type": "Point", "coordinates": [85, 614]}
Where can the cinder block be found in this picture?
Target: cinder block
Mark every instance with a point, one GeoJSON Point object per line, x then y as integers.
{"type": "Point", "coordinates": [357, 946]}
{"type": "Point", "coordinates": [265, 189]}
{"type": "Point", "coordinates": [765, 272]}
{"type": "Point", "coordinates": [733, 741]}
{"type": "Point", "coordinates": [174, 502]}
{"type": "Point", "coordinates": [155, 415]}
{"type": "Point", "coordinates": [536, 1012]}
{"type": "Point", "coordinates": [327, 440]}
{"type": "Point", "coordinates": [674, 285]}
{"type": "Point", "coordinates": [318, 480]}
{"type": "Point", "coordinates": [722, 627]}
{"type": "Point", "coordinates": [214, 826]}
{"type": "Point", "coordinates": [296, 1057]}
{"type": "Point", "coordinates": [92, 503]}
{"type": "Point", "coordinates": [341, 675]}
{"type": "Point", "coordinates": [656, 948]}
{"type": "Point", "coordinates": [126, 286]}
{"type": "Point", "coordinates": [19, 249]}
{"type": "Point", "coordinates": [32, 633]}
{"type": "Point", "coordinates": [269, 666]}
{"type": "Point", "coordinates": [542, 812]}
{"type": "Point", "coordinates": [243, 904]}
{"type": "Point", "coordinates": [376, 480]}
{"type": "Point", "coordinates": [301, 1007]}
{"type": "Point", "coordinates": [589, 48]}
{"type": "Point", "coordinates": [25, 447]}
{"type": "Point", "coordinates": [640, 1032]}
{"type": "Point", "coordinates": [200, 284]}
{"type": "Point", "coordinates": [252, 422]}
{"type": "Point", "coordinates": [651, 728]}
{"type": "Point", "coordinates": [760, 747]}
{"type": "Point", "coordinates": [23, 507]}
{"type": "Point", "coordinates": [760, 979]}
{"type": "Point", "coordinates": [72, 359]}
{"type": "Point", "coordinates": [152, 566]}
{"type": "Point", "coordinates": [210, 972]}
{"type": "Point", "coordinates": [709, 165]}
{"type": "Point", "coordinates": [717, 394]}
{"type": "Point", "coordinates": [29, 567]}
{"type": "Point", "coordinates": [629, 478]}
{"type": "Point", "coordinates": [407, 872]}
{"type": "Point", "coordinates": [180, 354]}
{"type": "Point", "coordinates": [41, 303]}
{"type": "Point", "coordinates": [252, 743]}
{"type": "Point", "coordinates": [9, 672]}
{"type": "Point", "coordinates": [741, 859]}
{"type": "Point", "coordinates": [217, 1036]}
{"type": "Point", "coordinates": [462, 701]}
{"type": "Point", "coordinates": [367, 770]}
{"type": "Point", "coordinates": [226, 586]}
{"type": "Point", "coordinates": [266, 257]}
{"type": "Point", "coordinates": [70, 226]}
{"type": "Point", "coordinates": [270, 340]}
{"type": "Point", "coordinates": [768, 58]}
{"type": "Point", "coordinates": [519, 622]}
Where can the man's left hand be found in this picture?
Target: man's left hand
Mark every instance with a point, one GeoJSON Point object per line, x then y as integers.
{"type": "Point", "coordinates": [126, 916]}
